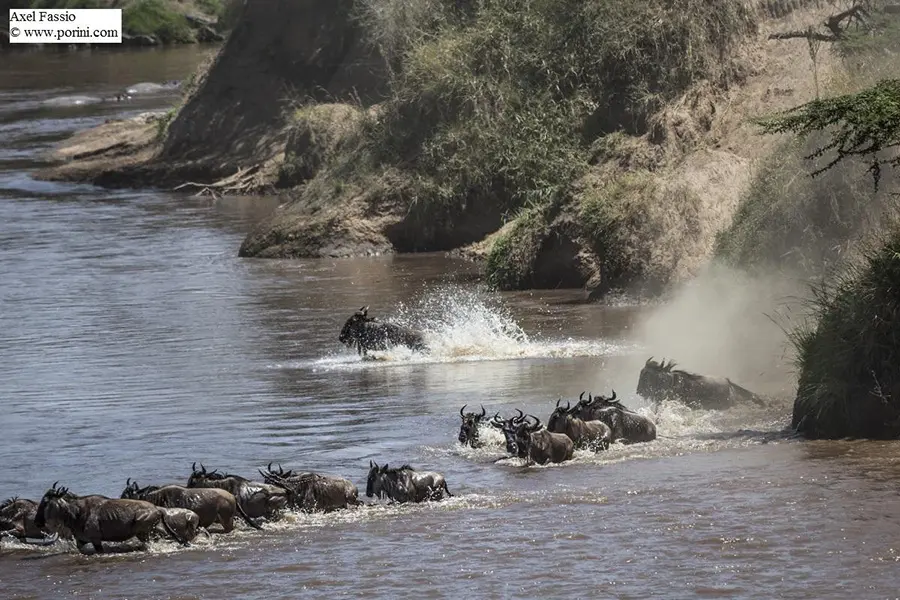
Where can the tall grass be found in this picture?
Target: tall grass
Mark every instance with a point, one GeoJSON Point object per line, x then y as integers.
{"type": "Point", "coordinates": [501, 102]}
{"type": "Point", "coordinates": [158, 18]}
{"type": "Point", "coordinates": [849, 383]}
{"type": "Point", "coordinates": [491, 102]}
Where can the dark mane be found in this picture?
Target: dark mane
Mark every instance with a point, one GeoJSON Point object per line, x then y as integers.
{"type": "Point", "coordinates": [395, 470]}
{"type": "Point", "coordinates": [615, 404]}
{"type": "Point", "coordinates": [688, 375]}
{"type": "Point", "coordinates": [216, 476]}
{"type": "Point", "coordinates": [8, 502]}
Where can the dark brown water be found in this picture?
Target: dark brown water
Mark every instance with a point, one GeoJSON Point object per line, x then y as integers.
{"type": "Point", "coordinates": [134, 342]}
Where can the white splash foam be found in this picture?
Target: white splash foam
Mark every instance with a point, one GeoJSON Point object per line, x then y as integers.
{"type": "Point", "coordinates": [463, 325]}
{"type": "Point", "coordinates": [680, 430]}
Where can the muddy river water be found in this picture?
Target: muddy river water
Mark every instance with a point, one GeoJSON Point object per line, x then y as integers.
{"type": "Point", "coordinates": [134, 341]}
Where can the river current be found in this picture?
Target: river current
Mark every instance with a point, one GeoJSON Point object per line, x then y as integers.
{"type": "Point", "coordinates": [135, 342]}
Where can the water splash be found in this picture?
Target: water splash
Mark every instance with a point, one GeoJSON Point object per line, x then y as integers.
{"type": "Point", "coordinates": [463, 324]}
{"type": "Point", "coordinates": [680, 430]}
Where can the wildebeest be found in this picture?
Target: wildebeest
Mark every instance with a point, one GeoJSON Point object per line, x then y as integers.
{"type": "Point", "coordinates": [17, 520]}
{"type": "Point", "coordinates": [510, 429]}
{"type": "Point", "coordinates": [184, 522]}
{"type": "Point", "coordinates": [627, 426]}
{"type": "Point", "coordinates": [96, 519]}
{"type": "Point", "coordinates": [472, 422]}
{"type": "Point", "coordinates": [212, 505]}
{"type": "Point", "coordinates": [368, 333]}
{"type": "Point", "coordinates": [658, 381]}
{"type": "Point", "coordinates": [590, 433]}
{"type": "Point", "coordinates": [257, 499]}
{"type": "Point", "coordinates": [405, 484]}
{"type": "Point", "coordinates": [314, 492]}
{"type": "Point", "coordinates": [534, 443]}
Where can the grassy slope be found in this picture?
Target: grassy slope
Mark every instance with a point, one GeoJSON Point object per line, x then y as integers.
{"type": "Point", "coordinates": [849, 383]}
{"type": "Point", "coordinates": [501, 107]}
{"type": "Point", "coordinates": [835, 227]}
{"type": "Point", "coordinates": [794, 221]}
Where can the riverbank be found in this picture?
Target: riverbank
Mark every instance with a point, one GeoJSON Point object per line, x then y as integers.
{"type": "Point", "coordinates": [144, 22]}
{"type": "Point", "coordinates": [379, 148]}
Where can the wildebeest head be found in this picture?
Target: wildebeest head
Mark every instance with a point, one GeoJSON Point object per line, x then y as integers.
{"type": "Point", "coordinates": [468, 429]}
{"type": "Point", "coordinates": [131, 491]}
{"type": "Point", "coordinates": [655, 379]}
{"type": "Point", "coordinates": [199, 476]}
{"type": "Point", "coordinates": [558, 417]}
{"type": "Point", "coordinates": [510, 428]}
{"type": "Point", "coordinates": [50, 503]}
{"type": "Point", "coordinates": [354, 328]}
{"type": "Point", "coordinates": [6, 504]}
{"type": "Point", "coordinates": [373, 481]}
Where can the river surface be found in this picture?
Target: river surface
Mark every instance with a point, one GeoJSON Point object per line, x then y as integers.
{"type": "Point", "coordinates": [135, 342]}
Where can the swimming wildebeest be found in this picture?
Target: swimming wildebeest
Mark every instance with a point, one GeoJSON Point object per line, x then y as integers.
{"type": "Point", "coordinates": [627, 426]}
{"type": "Point", "coordinates": [257, 499]}
{"type": "Point", "coordinates": [96, 519]}
{"type": "Point", "coordinates": [314, 492]}
{"type": "Point", "coordinates": [510, 429]}
{"type": "Point", "coordinates": [405, 484]}
{"type": "Point", "coordinates": [658, 381]}
{"type": "Point", "coordinates": [534, 443]}
{"type": "Point", "coordinates": [17, 520]}
{"type": "Point", "coordinates": [591, 433]}
{"type": "Point", "coordinates": [212, 505]}
{"type": "Point", "coordinates": [368, 333]}
{"type": "Point", "coordinates": [472, 422]}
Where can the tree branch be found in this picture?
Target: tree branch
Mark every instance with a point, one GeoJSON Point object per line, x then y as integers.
{"type": "Point", "coordinates": [809, 35]}
{"type": "Point", "coordinates": [833, 23]}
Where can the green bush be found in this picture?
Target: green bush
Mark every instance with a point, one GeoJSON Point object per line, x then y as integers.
{"type": "Point", "coordinates": [849, 384]}
{"type": "Point", "coordinates": [157, 18]}
{"type": "Point", "coordinates": [490, 101]}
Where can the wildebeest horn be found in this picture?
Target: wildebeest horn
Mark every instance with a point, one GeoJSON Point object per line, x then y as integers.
{"type": "Point", "coordinates": [613, 397]}
{"type": "Point", "coordinates": [568, 405]}
{"type": "Point", "coordinates": [54, 484]}
{"type": "Point", "coordinates": [581, 396]}
{"type": "Point", "coordinates": [519, 418]}
{"type": "Point", "coordinates": [461, 411]}
{"type": "Point", "coordinates": [557, 402]}
{"type": "Point", "coordinates": [483, 412]}
{"type": "Point", "coordinates": [649, 360]}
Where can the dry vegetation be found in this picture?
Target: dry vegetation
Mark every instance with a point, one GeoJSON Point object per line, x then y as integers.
{"type": "Point", "coordinates": [497, 111]}
{"type": "Point", "coordinates": [825, 206]}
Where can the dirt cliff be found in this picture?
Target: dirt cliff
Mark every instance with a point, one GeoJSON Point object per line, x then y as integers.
{"type": "Point", "coordinates": [235, 120]}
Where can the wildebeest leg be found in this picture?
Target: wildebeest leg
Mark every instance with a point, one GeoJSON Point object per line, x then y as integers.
{"type": "Point", "coordinates": [447, 490]}
{"type": "Point", "coordinates": [98, 547]}
{"type": "Point", "coordinates": [227, 525]}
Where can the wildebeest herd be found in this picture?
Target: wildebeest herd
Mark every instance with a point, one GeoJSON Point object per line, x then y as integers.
{"type": "Point", "coordinates": [208, 500]}
{"type": "Point", "coordinates": [212, 501]}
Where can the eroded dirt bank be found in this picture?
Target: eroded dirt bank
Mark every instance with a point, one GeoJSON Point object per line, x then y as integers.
{"type": "Point", "coordinates": [379, 147]}
{"type": "Point", "coordinates": [233, 120]}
